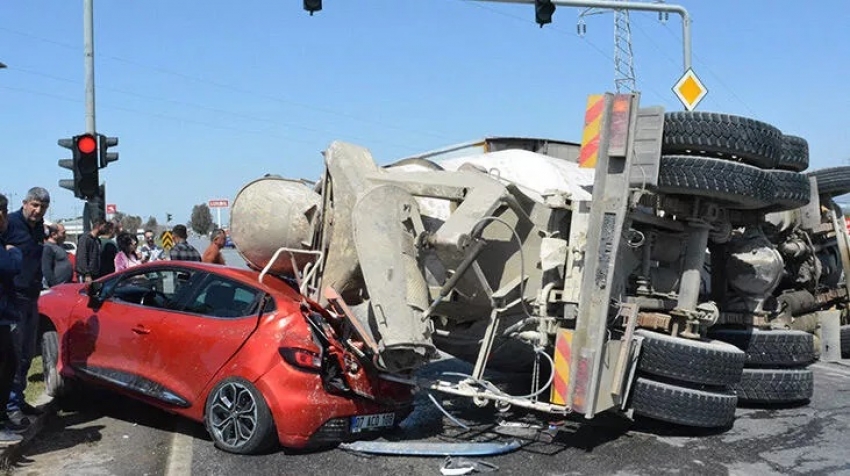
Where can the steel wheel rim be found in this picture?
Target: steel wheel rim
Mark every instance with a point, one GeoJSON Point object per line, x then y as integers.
{"type": "Point", "coordinates": [233, 414]}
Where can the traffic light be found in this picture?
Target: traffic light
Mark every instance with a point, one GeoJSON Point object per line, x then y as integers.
{"type": "Point", "coordinates": [70, 184]}
{"type": "Point", "coordinates": [84, 163]}
{"type": "Point", "coordinates": [312, 6]}
{"type": "Point", "coordinates": [543, 10]}
{"type": "Point", "coordinates": [105, 156]}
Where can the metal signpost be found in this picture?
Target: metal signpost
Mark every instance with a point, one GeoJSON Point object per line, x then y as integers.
{"type": "Point", "coordinates": [218, 204]}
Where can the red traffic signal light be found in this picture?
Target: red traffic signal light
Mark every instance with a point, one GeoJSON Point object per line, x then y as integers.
{"type": "Point", "coordinates": [86, 144]}
{"type": "Point", "coordinates": [84, 164]}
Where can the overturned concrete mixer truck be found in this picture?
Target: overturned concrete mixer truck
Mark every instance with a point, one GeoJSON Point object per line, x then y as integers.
{"type": "Point", "coordinates": [663, 269]}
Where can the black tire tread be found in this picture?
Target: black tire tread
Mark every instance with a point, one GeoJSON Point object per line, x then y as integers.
{"type": "Point", "coordinates": [695, 361]}
{"type": "Point", "coordinates": [775, 386]}
{"type": "Point", "coordinates": [770, 348]}
{"type": "Point", "coordinates": [795, 154]}
{"type": "Point", "coordinates": [832, 180]}
{"type": "Point", "coordinates": [792, 190]}
{"type": "Point", "coordinates": [735, 184]}
{"type": "Point", "coordinates": [55, 385]}
{"type": "Point", "coordinates": [722, 136]}
{"type": "Point", "coordinates": [845, 342]}
{"type": "Point", "coordinates": [682, 405]}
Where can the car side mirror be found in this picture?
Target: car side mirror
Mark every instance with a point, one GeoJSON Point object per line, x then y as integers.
{"type": "Point", "coordinates": [93, 290]}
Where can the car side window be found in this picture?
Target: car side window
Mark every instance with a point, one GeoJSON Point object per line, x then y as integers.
{"type": "Point", "coordinates": [158, 289]}
{"type": "Point", "coordinates": [219, 297]}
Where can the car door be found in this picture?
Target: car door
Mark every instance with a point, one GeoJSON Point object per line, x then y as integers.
{"type": "Point", "coordinates": [121, 327]}
{"type": "Point", "coordinates": [216, 320]}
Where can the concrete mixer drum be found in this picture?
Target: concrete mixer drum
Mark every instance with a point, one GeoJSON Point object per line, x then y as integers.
{"type": "Point", "coordinates": [270, 213]}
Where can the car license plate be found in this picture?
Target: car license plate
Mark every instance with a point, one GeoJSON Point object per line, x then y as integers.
{"type": "Point", "coordinates": [371, 422]}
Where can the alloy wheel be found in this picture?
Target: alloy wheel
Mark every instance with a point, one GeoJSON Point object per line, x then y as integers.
{"type": "Point", "coordinates": [233, 414]}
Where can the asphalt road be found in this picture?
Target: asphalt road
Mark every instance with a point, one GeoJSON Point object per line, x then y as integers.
{"type": "Point", "coordinates": [106, 434]}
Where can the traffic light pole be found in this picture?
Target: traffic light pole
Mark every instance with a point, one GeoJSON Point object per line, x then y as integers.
{"type": "Point", "coordinates": [88, 52]}
{"type": "Point", "coordinates": [90, 150]}
{"type": "Point", "coordinates": [93, 205]}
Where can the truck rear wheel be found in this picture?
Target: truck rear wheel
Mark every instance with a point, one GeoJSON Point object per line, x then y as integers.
{"type": "Point", "coordinates": [706, 362]}
{"type": "Point", "coordinates": [775, 386]}
{"type": "Point", "coordinates": [733, 184]}
{"type": "Point", "coordinates": [770, 348]}
{"type": "Point", "coordinates": [792, 190]}
{"type": "Point", "coordinates": [722, 136]}
{"type": "Point", "coordinates": [795, 154]}
{"type": "Point", "coordinates": [845, 342]}
{"type": "Point", "coordinates": [683, 405]}
{"type": "Point", "coordinates": [832, 180]}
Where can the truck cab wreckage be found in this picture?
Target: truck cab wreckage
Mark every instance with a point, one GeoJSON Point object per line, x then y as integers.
{"type": "Point", "coordinates": [668, 269]}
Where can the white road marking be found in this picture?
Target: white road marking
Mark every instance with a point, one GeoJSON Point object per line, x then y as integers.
{"type": "Point", "coordinates": [180, 459]}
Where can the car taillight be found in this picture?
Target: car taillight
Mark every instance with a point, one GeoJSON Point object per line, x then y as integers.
{"type": "Point", "coordinates": [302, 359]}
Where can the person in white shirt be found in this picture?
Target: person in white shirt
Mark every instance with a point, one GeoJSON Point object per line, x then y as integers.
{"type": "Point", "coordinates": [149, 250]}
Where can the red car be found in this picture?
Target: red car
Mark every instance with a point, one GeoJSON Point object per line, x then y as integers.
{"type": "Point", "coordinates": [254, 361]}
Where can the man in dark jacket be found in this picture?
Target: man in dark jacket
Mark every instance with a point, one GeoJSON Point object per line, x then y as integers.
{"type": "Point", "coordinates": [10, 265]}
{"type": "Point", "coordinates": [108, 248]}
{"type": "Point", "coordinates": [55, 264]}
{"type": "Point", "coordinates": [26, 232]}
{"type": "Point", "coordinates": [88, 252]}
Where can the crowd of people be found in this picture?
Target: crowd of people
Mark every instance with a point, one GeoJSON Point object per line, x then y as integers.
{"type": "Point", "coordinates": [32, 258]}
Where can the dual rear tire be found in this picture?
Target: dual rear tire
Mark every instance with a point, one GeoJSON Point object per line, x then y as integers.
{"type": "Point", "coordinates": [777, 365]}
{"type": "Point", "coordinates": [686, 381]}
{"type": "Point", "coordinates": [738, 162]}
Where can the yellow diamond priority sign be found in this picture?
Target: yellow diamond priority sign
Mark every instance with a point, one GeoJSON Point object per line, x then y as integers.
{"type": "Point", "coordinates": [689, 90]}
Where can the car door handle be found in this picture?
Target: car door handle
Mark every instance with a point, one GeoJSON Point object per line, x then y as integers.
{"type": "Point", "coordinates": [141, 330]}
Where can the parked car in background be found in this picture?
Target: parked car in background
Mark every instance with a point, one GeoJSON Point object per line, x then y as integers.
{"type": "Point", "coordinates": [253, 360]}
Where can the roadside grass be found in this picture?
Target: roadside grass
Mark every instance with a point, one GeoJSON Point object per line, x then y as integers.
{"type": "Point", "coordinates": [35, 381]}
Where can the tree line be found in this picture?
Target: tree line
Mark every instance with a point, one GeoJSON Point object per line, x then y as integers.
{"type": "Point", "coordinates": [200, 221]}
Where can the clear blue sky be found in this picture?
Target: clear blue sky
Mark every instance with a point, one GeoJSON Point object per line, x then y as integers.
{"type": "Point", "coordinates": [206, 96]}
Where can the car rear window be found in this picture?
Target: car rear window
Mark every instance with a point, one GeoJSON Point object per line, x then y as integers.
{"type": "Point", "coordinates": [221, 297]}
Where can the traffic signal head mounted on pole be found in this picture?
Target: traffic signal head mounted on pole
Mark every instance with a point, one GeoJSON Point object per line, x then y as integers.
{"type": "Point", "coordinates": [105, 156]}
{"type": "Point", "coordinates": [84, 163]}
{"type": "Point", "coordinates": [312, 6]}
{"type": "Point", "coordinates": [543, 10]}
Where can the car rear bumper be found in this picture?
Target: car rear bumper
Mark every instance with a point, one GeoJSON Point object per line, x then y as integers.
{"type": "Point", "coordinates": [306, 415]}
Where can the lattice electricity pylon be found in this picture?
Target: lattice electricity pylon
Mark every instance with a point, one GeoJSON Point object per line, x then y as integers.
{"type": "Point", "coordinates": [624, 67]}
{"type": "Point", "coordinates": [624, 60]}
